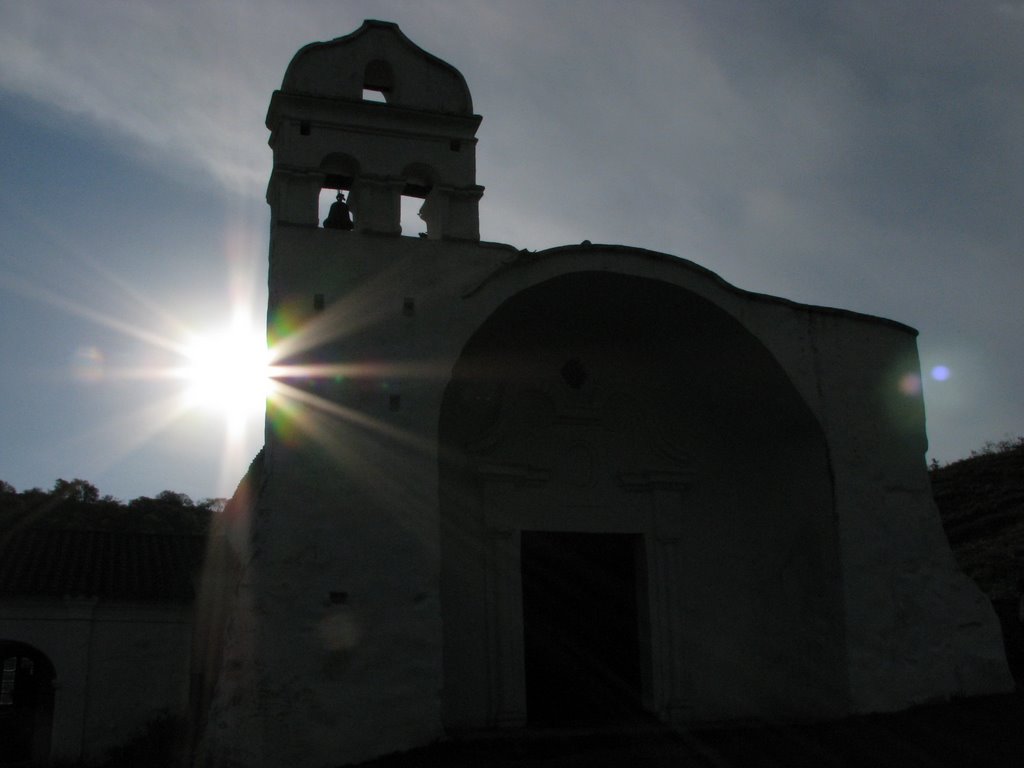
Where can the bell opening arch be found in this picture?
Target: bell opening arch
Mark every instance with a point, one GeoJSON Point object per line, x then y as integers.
{"type": "Point", "coordinates": [606, 403]}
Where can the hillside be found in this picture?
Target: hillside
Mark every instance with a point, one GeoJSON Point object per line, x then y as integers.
{"type": "Point", "coordinates": [981, 501]}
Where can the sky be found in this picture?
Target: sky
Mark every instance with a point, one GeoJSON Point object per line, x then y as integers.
{"type": "Point", "coordinates": [860, 155]}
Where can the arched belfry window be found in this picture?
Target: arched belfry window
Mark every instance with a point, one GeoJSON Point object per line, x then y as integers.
{"type": "Point", "coordinates": [415, 214]}
{"type": "Point", "coordinates": [378, 81]}
{"type": "Point", "coordinates": [340, 171]}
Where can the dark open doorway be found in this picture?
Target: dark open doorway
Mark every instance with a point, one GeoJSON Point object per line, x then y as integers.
{"type": "Point", "coordinates": [582, 634]}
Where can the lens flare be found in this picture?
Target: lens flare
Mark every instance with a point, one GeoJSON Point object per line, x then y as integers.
{"type": "Point", "coordinates": [940, 373]}
{"type": "Point", "coordinates": [88, 364]}
{"type": "Point", "coordinates": [283, 324]}
{"type": "Point", "coordinates": [910, 384]}
{"type": "Point", "coordinates": [340, 631]}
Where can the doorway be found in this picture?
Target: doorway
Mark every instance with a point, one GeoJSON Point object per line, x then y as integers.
{"type": "Point", "coordinates": [581, 627]}
{"type": "Point", "coordinates": [26, 704]}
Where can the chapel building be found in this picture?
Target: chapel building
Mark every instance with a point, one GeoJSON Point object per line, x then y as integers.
{"type": "Point", "coordinates": [583, 485]}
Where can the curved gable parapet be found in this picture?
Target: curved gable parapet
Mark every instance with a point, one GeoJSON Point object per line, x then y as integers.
{"type": "Point", "coordinates": [380, 52]}
{"type": "Point", "coordinates": [602, 252]}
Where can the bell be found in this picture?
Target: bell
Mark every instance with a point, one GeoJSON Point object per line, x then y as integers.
{"type": "Point", "coordinates": [338, 217]}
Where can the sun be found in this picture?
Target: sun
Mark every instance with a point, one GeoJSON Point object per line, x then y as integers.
{"type": "Point", "coordinates": [228, 371]}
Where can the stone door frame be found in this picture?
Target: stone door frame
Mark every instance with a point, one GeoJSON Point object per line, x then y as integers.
{"type": "Point", "coordinates": [656, 503]}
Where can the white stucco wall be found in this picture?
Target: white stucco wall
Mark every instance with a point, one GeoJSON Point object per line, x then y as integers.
{"type": "Point", "coordinates": [918, 628]}
{"type": "Point", "coordinates": [350, 497]}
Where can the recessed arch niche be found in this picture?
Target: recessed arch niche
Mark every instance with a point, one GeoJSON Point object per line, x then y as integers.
{"type": "Point", "coordinates": [604, 403]}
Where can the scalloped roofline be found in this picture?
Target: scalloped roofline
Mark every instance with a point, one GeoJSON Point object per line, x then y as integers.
{"type": "Point", "coordinates": [394, 29]}
{"type": "Point", "coordinates": [525, 258]}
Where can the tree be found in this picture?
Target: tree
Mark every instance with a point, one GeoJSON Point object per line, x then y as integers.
{"type": "Point", "coordinates": [77, 504]}
{"type": "Point", "coordinates": [175, 498]}
{"type": "Point", "coordinates": [76, 490]}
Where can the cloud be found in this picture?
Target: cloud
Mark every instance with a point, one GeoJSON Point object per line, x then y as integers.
{"type": "Point", "coordinates": [186, 83]}
{"type": "Point", "coordinates": [1013, 11]}
{"type": "Point", "coordinates": [864, 155]}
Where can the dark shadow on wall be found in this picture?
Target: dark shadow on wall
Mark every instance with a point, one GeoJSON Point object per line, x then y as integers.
{"type": "Point", "coordinates": [650, 375]}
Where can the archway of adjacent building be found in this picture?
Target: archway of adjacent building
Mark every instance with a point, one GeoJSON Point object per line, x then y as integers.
{"type": "Point", "coordinates": [568, 412]}
{"type": "Point", "coordinates": [26, 704]}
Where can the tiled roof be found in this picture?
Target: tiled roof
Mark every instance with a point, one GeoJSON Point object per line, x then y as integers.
{"type": "Point", "coordinates": [112, 565]}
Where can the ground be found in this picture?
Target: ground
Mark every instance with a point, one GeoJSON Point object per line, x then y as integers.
{"type": "Point", "coordinates": [983, 732]}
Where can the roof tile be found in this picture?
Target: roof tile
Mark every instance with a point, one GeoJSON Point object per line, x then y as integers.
{"type": "Point", "coordinates": [114, 565]}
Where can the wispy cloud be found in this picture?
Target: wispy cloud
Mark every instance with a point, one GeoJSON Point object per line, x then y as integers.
{"type": "Point", "coordinates": [1011, 10]}
{"type": "Point", "coordinates": [185, 83]}
{"type": "Point", "coordinates": [864, 154]}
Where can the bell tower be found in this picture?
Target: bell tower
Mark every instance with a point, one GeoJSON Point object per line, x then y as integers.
{"type": "Point", "coordinates": [332, 651]}
{"type": "Point", "coordinates": [374, 115]}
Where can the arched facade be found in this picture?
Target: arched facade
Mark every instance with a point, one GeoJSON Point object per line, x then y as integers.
{"type": "Point", "coordinates": [545, 426]}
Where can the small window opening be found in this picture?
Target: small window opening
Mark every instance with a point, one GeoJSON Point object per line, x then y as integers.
{"type": "Point", "coordinates": [304, 127]}
{"type": "Point", "coordinates": [378, 81]}
{"type": "Point", "coordinates": [455, 145]}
